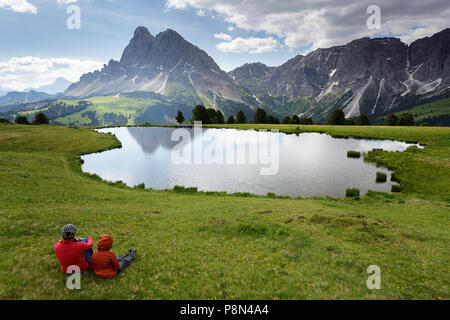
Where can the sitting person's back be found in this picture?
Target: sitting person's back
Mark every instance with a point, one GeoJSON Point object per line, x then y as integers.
{"type": "Point", "coordinates": [71, 251]}
{"type": "Point", "coordinates": [104, 262]}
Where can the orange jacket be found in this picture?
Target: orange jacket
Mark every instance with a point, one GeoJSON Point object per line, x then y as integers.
{"type": "Point", "coordinates": [104, 262]}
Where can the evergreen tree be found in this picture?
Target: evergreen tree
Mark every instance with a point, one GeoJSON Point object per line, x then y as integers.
{"type": "Point", "coordinates": [406, 119]}
{"type": "Point", "coordinates": [240, 117]}
{"type": "Point", "coordinates": [231, 120]}
{"type": "Point", "coordinates": [392, 120]}
{"type": "Point", "coordinates": [273, 120]}
{"type": "Point", "coordinates": [363, 120]}
{"type": "Point", "coordinates": [337, 117]}
{"type": "Point", "coordinates": [295, 119]}
{"type": "Point", "coordinates": [218, 118]}
{"type": "Point", "coordinates": [260, 116]}
{"type": "Point", "coordinates": [287, 120]}
{"type": "Point", "coordinates": [179, 117]}
{"type": "Point", "coordinates": [22, 120]}
{"type": "Point", "coordinates": [40, 118]}
{"type": "Point", "coordinates": [200, 113]}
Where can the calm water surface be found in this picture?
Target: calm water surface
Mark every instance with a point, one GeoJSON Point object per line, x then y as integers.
{"type": "Point", "coordinates": [310, 164]}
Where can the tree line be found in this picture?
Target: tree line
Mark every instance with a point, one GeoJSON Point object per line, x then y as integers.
{"type": "Point", "coordinates": [338, 118]}
{"type": "Point", "coordinates": [213, 116]}
{"type": "Point", "coordinates": [53, 111]}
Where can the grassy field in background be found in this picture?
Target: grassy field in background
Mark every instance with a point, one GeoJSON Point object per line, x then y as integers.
{"type": "Point", "coordinates": [428, 110]}
{"type": "Point", "coordinates": [128, 107]}
{"type": "Point", "coordinates": [216, 246]}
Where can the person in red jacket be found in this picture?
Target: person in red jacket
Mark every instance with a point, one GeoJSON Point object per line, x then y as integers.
{"type": "Point", "coordinates": [71, 251]}
{"type": "Point", "coordinates": [104, 262]}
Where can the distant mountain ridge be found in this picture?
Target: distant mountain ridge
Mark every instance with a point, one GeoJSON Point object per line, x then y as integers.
{"type": "Point", "coordinates": [373, 76]}
{"type": "Point", "coordinates": [58, 86]}
{"type": "Point", "coordinates": [23, 96]}
{"type": "Point", "coordinates": [367, 75]}
{"type": "Point", "coordinates": [166, 64]}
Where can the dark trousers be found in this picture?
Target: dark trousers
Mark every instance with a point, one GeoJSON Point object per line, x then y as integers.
{"type": "Point", "coordinates": [88, 253]}
{"type": "Point", "coordinates": [124, 262]}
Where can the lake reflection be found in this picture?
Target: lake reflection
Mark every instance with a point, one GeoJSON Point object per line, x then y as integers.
{"type": "Point", "coordinates": [310, 164]}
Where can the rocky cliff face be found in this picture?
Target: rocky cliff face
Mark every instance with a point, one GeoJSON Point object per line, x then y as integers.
{"type": "Point", "coordinates": [166, 64]}
{"type": "Point", "coordinates": [372, 76]}
{"type": "Point", "coordinates": [367, 75]}
{"type": "Point", "coordinates": [253, 76]}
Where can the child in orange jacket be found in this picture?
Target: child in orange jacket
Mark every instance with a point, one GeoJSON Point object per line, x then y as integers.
{"type": "Point", "coordinates": [104, 262]}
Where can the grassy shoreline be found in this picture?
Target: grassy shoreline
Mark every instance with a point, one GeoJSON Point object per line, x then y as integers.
{"type": "Point", "coordinates": [207, 246]}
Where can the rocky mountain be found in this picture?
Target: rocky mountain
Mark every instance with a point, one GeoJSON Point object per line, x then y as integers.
{"type": "Point", "coordinates": [168, 65]}
{"type": "Point", "coordinates": [23, 96]}
{"type": "Point", "coordinates": [58, 86]}
{"type": "Point", "coordinates": [253, 76]}
{"type": "Point", "coordinates": [372, 76]}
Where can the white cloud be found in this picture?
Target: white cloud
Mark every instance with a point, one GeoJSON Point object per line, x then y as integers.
{"type": "Point", "coordinates": [325, 23]}
{"type": "Point", "coordinates": [61, 2]}
{"type": "Point", "coordinates": [21, 6]}
{"type": "Point", "coordinates": [201, 13]}
{"type": "Point", "coordinates": [223, 36]}
{"type": "Point", "coordinates": [251, 45]}
{"type": "Point", "coordinates": [20, 73]}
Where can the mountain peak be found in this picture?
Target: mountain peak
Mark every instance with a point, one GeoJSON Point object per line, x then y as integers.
{"type": "Point", "coordinates": [141, 32]}
{"type": "Point", "coordinates": [169, 35]}
{"type": "Point", "coordinates": [166, 64]}
{"type": "Point", "coordinates": [139, 46]}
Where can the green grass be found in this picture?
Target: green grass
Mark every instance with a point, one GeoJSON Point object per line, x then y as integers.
{"type": "Point", "coordinates": [381, 177]}
{"type": "Point", "coordinates": [354, 154]}
{"type": "Point", "coordinates": [131, 108]}
{"type": "Point", "coordinates": [396, 188]}
{"type": "Point", "coordinates": [431, 109]}
{"type": "Point", "coordinates": [352, 193]}
{"type": "Point", "coordinates": [195, 245]}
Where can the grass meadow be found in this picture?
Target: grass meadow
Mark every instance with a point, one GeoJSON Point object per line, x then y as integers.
{"type": "Point", "coordinates": [194, 245]}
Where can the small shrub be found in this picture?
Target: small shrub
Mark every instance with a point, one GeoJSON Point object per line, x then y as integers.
{"type": "Point", "coordinates": [353, 154]}
{"type": "Point", "coordinates": [396, 188]}
{"type": "Point", "coordinates": [22, 120]}
{"type": "Point", "coordinates": [41, 118]}
{"type": "Point", "coordinates": [352, 193]}
{"type": "Point", "coordinates": [241, 194]}
{"type": "Point", "coordinates": [140, 186]}
{"type": "Point", "coordinates": [182, 189]}
{"type": "Point", "coordinates": [381, 177]}
{"type": "Point", "coordinates": [271, 195]}
{"type": "Point", "coordinates": [119, 184]}
{"type": "Point", "coordinates": [3, 120]}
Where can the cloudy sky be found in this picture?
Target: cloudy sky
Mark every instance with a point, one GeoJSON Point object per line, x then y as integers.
{"type": "Point", "coordinates": [37, 46]}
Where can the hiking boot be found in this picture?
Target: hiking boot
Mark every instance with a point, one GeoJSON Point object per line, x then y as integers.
{"type": "Point", "coordinates": [129, 253]}
{"type": "Point", "coordinates": [133, 253]}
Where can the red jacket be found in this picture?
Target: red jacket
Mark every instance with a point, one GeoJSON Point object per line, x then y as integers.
{"type": "Point", "coordinates": [104, 262]}
{"type": "Point", "coordinates": [70, 253]}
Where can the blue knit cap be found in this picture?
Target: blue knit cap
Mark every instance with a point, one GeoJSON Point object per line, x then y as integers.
{"type": "Point", "coordinates": [68, 231]}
